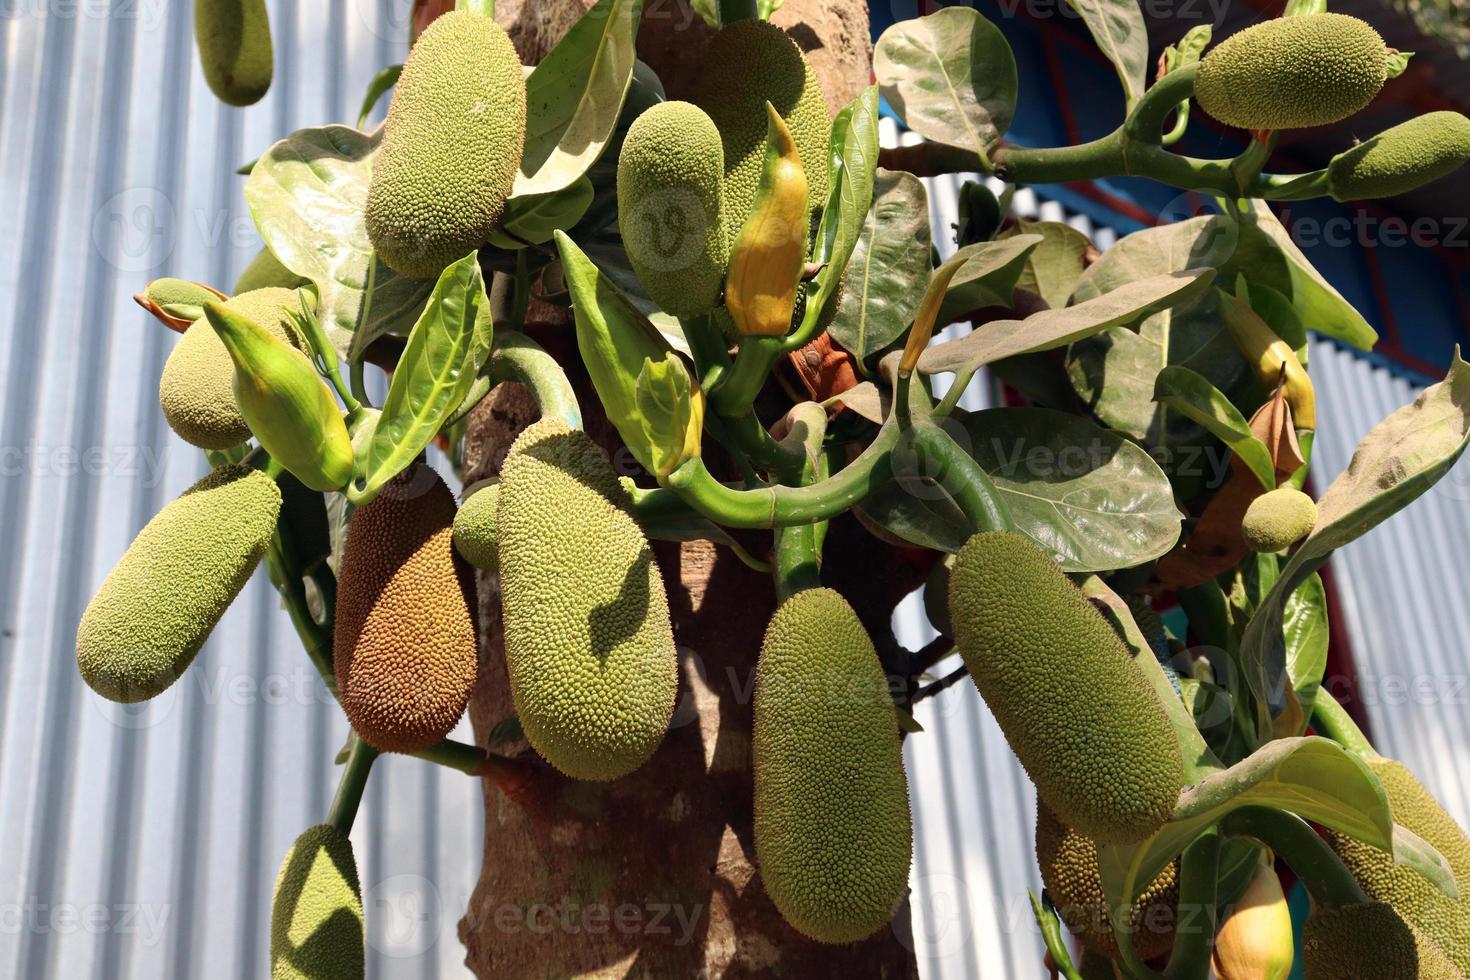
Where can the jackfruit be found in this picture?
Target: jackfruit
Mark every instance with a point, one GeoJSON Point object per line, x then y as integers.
{"type": "Point", "coordinates": [266, 271]}
{"type": "Point", "coordinates": [162, 599]}
{"type": "Point", "coordinates": [1398, 160]}
{"type": "Point", "coordinates": [832, 829]}
{"type": "Point", "coordinates": [1079, 714]}
{"type": "Point", "coordinates": [750, 63]}
{"type": "Point", "coordinates": [1278, 519]}
{"type": "Point", "coordinates": [234, 39]}
{"type": "Point", "coordinates": [451, 146]}
{"type": "Point", "coordinates": [196, 389]}
{"type": "Point", "coordinates": [316, 912]}
{"type": "Point", "coordinates": [1293, 72]}
{"type": "Point", "coordinates": [670, 209]}
{"type": "Point", "coordinates": [589, 649]}
{"type": "Point", "coordinates": [1068, 862]}
{"type": "Point", "coordinates": [1443, 919]}
{"type": "Point", "coordinates": [474, 528]}
{"type": "Point", "coordinates": [404, 644]}
{"type": "Point", "coordinates": [1370, 942]}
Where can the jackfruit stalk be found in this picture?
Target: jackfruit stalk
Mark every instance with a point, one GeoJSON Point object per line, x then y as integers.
{"type": "Point", "coordinates": [234, 40]}
{"type": "Point", "coordinates": [766, 260]}
{"type": "Point", "coordinates": [316, 911]}
{"type": "Point", "coordinates": [1401, 159]}
{"type": "Point", "coordinates": [1370, 941]}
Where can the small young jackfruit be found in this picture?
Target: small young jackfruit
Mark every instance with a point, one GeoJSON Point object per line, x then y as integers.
{"type": "Point", "coordinates": [163, 598]}
{"type": "Point", "coordinates": [316, 912]}
{"type": "Point", "coordinates": [1400, 159]}
{"type": "Point", "coordinates": [196, 389]}
{"type": "Point", "coordinates": [1077, 711]}
{"type": "Point", "coordinates": [1068, 862]}
{"type": "Point", "coordinates": [750, 63]}
{"type": "Point", "coordinates": [234, 39]}
{"type": "Point", "coordinates": [670, 209]}
{"type": "Point", "coordinates": [1370, 942]}
{"type": "Point", "coordinates": [404, 644]}
{"type": "Point", "coordinates": [451, 146]}
{"type": "Point", "coordinates": [1440, 917]}
{"type": "Point", "coordinates": [589, 649]}
{"type": "Point", "coordinates": [1293, 72]}
{"type": "Point", "coordinates": [266, 271]}
{"type": "Point", "coordinates": [832, 829]}
{"type": "Point", "coordinates": [474, 528]}
{"type": "Point", "coordinates": [1278, 519]}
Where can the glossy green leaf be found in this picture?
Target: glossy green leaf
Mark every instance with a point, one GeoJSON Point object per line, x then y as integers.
{"type": "Point", "coordinates": [1305, 629]}
{"type": "Point", "coordinates": [445, 351]}
{"type": "Point", "coordinates": [1193, 396]}
{"type": "Point", "coordinates": [306, 195]}
{"type": "Point", "coordinates": [1118, 29]}
{"type": "Point", "coordinates": [950, 76]}
{"type": "Point", "coordinates": [1414, 852]}
{"type": "Point", "coordinates": [1052, 270]}
{"type": "Point", "coordinates": [988, 276]}
{"type": "Point", "coordinates": [575, 95]}
{"type": "Point", "coordinates": [534, 218]}
{"type": "Point", "coordinates": [377, 88]}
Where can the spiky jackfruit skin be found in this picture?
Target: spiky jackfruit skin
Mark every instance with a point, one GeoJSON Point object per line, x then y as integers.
{"type": "Point", "coordinates": [1277, 519]}
{"type": "Point", "coordinates": [832, 830]}
{"type": "Point", "coordinates": [750, 63]}
{"type": "Point", "coordinates": [1068, 863]}
{"type": "Point", "coordinates": [404, 643]}
{"type": "Point", "coordinates": [1400, 159]}
{"type": "Point", "coordinates": [1293, 72]}
{"type": "Point", "coordinates": [316, 912]}
{"type": "Point", "coordinates": [1370, 942]}
{"type": "Point", "coordinates": [1077, 711]}
{"type": "Point", "coordinates": [1443, 919]}
{"type": "Point", "coordinates": [196, 389]}
{"type": "Point", "coordinates": [474, 528]}
{"type": "Point", "coordinates": [160, 602]}
{"type": "Point", "coordinates": [234, 40]}
{"type": "Point", "coordinates": [451, 146]}
{"type": "Point", "coordinates": [589, 648]}
{"type": "Point", "coordinates": [670, 209]}
{"type": "Point", "coordinates": [264, 272]}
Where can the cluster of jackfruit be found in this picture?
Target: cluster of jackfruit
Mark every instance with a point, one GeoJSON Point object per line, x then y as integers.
{"type": "Point", "coordinates": [234, 40]}
{"type": "Point", "coordinates": [1370, 940]}
{"type": "Point", "coordinates": [1078, 712]}
{"type": "Point", "coordinates": [161, 601]}
{"type": "Point", "coordinates": [1398, 160]}
{"type": "Point", "coordinates": [1278, 519]}
{"type": "Point", "coordinates": [451, 146]}
{"type": "Point", "coordinates": [589, 648]}
{"type": "Point", "coordinates": [832, 829]}
{"type": "Point", "coordinates": [405, 644]}
{"type": "Point", "coordinates": [316, 912]}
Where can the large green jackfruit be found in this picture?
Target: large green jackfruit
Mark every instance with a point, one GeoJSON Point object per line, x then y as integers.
{"type": "Point", "coordinates": [266, 271]}
{"type": "Point", "coordinates": [316, 913]}
{"type": "Point", "coordinates": [234, 39]}
{"type": "Point", "coordinates": [1076, 709]}
{"type": "Point", "coordinates": [1293, 72]}
{"type": "Point", "coordinates": [1278, 519]}
{"type": "Point", "coordinates": [1443, 919]}
{"type": "Point", "coordinates": [669, 207]}
{"type": "Point", "coordinates": [160, 602]}
{"type": "Point", "coordinates": [589, 648]}
{"type": "Point", "coordinates": [1370, 942]}
{"type": "Point", "coordinates": [196, 389]}
{"type": "Point", "coordinates": [451, 146]}
{"type": "Point", "coordinates": [1400, 159]}
{"type": "Point", "coordinates": [1068, 863]}
{"type": "Point", "coordinates": [750, 63]}
{"type": "Point", "coordinates": [832, 830]}
{"type": "Point", "coordinates": [404, 644]}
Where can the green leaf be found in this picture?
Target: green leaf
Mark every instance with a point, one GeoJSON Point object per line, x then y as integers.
{"type": "Point", "coordinates": [1117, 27]}
{"type": "Point", "coordinates": [1401, 458]}
{"type": "Point", "coordinates": [951, 77]}
{"type": "Point", "coordinates": [708, 11]}
{"type": "Point", "coordinates": [1193, 396]}
{"type": "Point", "coordinates": [307, 194]}
{"type": "Point", "coordinates": [854, 165]}
{"type": "Point", "coordinates": [1053, 269]}
{"type": "Point", "coordinates": [575, 95]}
{"type": "Point", "coordinates": [888, 268]}
{"type": "Point", "coordinates": [1398, 63]}
{"type": "Point", "coordinates": [445, 350]}
{"type": "Point", "coordinates": [533, 218]}
{"type": "Point", "coordinates": [988, 276]}
{"type": "Point", "coordinates": [1412, 851]}
{"type": "Point", "coordinates": [377, 88]}
{"type": "Point", "coordinates": [1305, 628]}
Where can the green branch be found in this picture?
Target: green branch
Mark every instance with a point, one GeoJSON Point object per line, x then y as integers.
{"type": "Point", "coordinates": [354, 782]}
{"type": "Point", "coordinates": [1199, 869]}
{"type": "Point", "coordinates": [1327, 880]}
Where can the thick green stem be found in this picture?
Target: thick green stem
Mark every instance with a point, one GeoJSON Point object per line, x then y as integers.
{"type": "Point", "coordinates": [707, 346]}
{"type": "Point", "coordinates": [1332, 720]}
{"type": "Point", "coordinates": [518, 358]}
{"type": "Point", "coordinates": [354, 781]}
{"type": "Point", "coordinates": [1327, 880]}
{"type": "Point", "coordinates": [454, 755]}
{"type": "Point", "coordinates": [737, 390]}
{"type": "Point", "coordinates": [752, 439]}
{"type": "Point", "coordinates": [939, 459]}
{"type": "Point", "coordinates": [1194, 939]}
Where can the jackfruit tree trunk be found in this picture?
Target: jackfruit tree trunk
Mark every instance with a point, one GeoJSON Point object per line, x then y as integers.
{"type": "Point", "coordinates": [653, 875]}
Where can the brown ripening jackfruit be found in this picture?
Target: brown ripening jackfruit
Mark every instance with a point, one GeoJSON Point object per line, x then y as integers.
{"type": "Point", "coordinates": [1068, 863]}
{"type": "Point", "coordinates": [1370, 942]}
{"type": "Point", "coordinates": [451, 146]}
{"type": "Point", "coordinates": [316, 912]}
{"type": "Point", "coordinates": [1441, 918]}
{"type": "Point", "coordinates": [1077, 711]}
{"type": "Point", "coordinates": [405, 647]}
{"type": "Point", "coordinates": [589, 649]}
{"type": "Point", "coordinates": [163, 598]}
{"type": "Point", "coordinates": [234, 40]}
{"type": "Point", "coordinates": [196, 389]}
{"type": "Point", "coordinates": [832, 830]}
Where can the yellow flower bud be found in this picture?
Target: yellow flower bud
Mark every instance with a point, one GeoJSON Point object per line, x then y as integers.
{"type": "Point", "coordinates": [1256, 942]}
